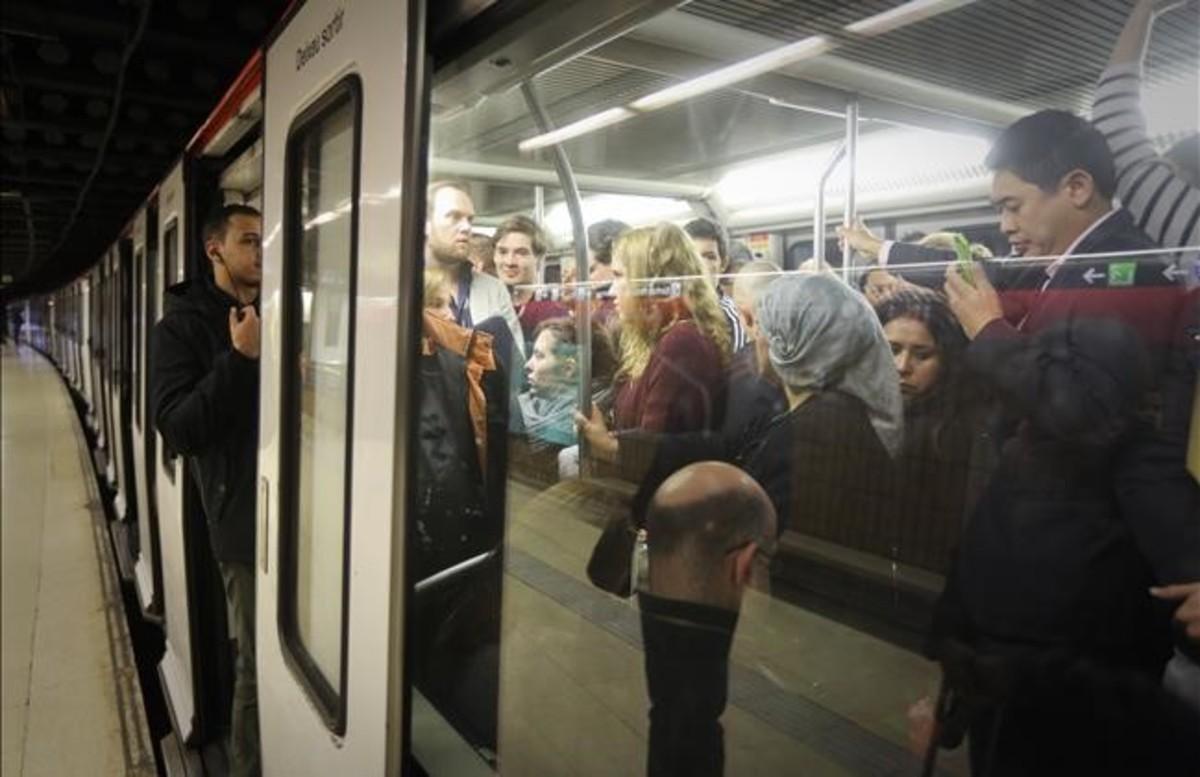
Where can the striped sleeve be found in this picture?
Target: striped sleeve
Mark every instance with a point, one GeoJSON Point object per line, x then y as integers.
{"type": "Point", "coordinates": [737, 331]}
{"type": "Point", "coordinates": [1165, 206]}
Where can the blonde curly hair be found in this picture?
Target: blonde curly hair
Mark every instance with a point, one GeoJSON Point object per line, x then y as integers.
{"type": "Point", "coordinates": [665, 251]}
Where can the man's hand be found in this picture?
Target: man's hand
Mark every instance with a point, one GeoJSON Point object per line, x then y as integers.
{"type": "Point", "coordinates": [975, 302]}
{"type": "Point", "coordinates": [861, 240]}
{"type": "Point", "coordinates": [1189, 611]}
{"type": "Point", "coordinates": [602, 443]}
{"type": "Point", "coordinates": [881, 284]}
{"type": "Point", "coordinates": [244, 333]}
{"type": "Point", "coordinates": [922, 726]}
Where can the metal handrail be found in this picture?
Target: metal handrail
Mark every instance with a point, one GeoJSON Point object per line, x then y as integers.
{"type": "Point", "coordinates": [851, 206]}
{"type": "Point", "coordinates": [583, 308]}
{"type": "Point", "coordinates": [819, 208]}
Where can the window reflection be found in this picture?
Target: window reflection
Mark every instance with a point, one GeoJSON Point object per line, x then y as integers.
{"type": "Point", "coordinates": [969, 417]}
{"type": "Point", "coordinates": [321, 160]}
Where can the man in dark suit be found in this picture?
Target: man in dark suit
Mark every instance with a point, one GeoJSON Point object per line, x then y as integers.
{"type": "Point", "coordinates": [1088, 349]}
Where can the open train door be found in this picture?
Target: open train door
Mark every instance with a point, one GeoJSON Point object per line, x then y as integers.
{"type": "Point", "coordinates": [338, 178]}
{"type": "Point", "coordinates": [195, 666]}
{"type": "Point", "coordinates": [175, 668]}
{"type": "Point", "coordinates": [147, 564]}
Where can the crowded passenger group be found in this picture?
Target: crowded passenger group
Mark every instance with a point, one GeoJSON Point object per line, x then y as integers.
{"type": "Point", "coordinates": [998, 421]}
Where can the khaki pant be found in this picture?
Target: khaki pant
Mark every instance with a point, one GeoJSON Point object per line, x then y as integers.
{"type": "Point", "coordinates": [244, 758]}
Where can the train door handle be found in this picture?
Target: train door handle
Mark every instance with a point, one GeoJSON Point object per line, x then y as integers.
{"type": "Point", "coordinates": [264, 522]}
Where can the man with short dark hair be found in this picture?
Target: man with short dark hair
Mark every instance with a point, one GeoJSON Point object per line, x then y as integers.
{"type": "Point", "coordinates": [705, 525]}
{"type": "Point", "coordinates": [205, 394]}
{"type": "Point", "coordinates": [450, 212]}
{"type": "Point", "coordinates": [600, 239]}
{"type": "Point", "coordinates": [520, 248]}
{"type": "Point", "coordinates": [1091, 503]}
{"type": "Point", "coordinates": [713, 246]}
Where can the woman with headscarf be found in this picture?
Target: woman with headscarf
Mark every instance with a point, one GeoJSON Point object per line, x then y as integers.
{"type": "Point", "coordinates": [830, 453]}
{"type": "Point", "coordinates": [821, 459]}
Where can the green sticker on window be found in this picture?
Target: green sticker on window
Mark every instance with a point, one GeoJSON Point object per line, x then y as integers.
{"type": "Point", "coordinates": [1121, 273]}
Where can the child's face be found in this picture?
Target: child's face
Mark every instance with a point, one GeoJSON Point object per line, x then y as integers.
{"type": "Point", "coordinates": [439, 305]}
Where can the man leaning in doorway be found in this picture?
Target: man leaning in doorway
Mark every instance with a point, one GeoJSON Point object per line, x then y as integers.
{"type": "Point", "coordinates": [205, 389]}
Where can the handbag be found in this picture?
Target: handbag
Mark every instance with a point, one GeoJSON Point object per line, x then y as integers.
{"type": "Point", "coordinates": [610, 567]}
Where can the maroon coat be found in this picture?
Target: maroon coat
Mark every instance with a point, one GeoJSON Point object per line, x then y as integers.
{"type": "Point", "coordinates": [682, 388]}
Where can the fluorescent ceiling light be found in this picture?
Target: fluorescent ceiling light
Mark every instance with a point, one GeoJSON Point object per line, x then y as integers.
{"type": "Point", "coordinates": [888, 159]}
{"type": "Point", "coordinates": [635, 210]}
{"type": "Point", "coordinates": [903, 15]}
{"type": "Point", "coordinates": [575, 129]}
{"type": "Point", "coordinates": [766, 62]}
{"type": "Point", "coordinates": [735, 73]}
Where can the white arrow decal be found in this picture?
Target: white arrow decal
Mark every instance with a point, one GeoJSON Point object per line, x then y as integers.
{"type": "Point", "coordinates": [1171, 271]}
{"type": "Point", "coordinates": [1091, 275]}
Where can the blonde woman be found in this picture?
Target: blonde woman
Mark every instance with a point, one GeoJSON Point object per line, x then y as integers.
{"type": "Point", "coordinates": [674, 338]}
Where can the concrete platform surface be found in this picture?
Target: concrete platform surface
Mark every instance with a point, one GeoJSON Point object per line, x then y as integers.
{"type": "Point", "coordinates": [71, 700]}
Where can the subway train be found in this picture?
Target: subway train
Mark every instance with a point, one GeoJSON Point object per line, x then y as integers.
{"type": "Point", "coordinates": [780, 120]}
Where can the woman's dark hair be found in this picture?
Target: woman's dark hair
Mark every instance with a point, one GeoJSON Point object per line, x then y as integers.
{"type": "Point", "coordinates": [604, 356]}
{"type": "Point", "coordinates": [951, 393]}
{"type": "Point", "coordinates": [1044, 146]}
{"type": "Point", "coordinates": [865, 276]}
{"type": "Point", "coordinates": [602, 235]}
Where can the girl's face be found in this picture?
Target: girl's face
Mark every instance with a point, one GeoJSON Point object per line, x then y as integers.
{"type": "Point", "coordinates": [627, 302]}
{"type": "Point", "coordinates": [439, 305]}
{"type": "Point", "coordinates": [918, 362]}
{"type": "Point", "coordinates": [547, 370]}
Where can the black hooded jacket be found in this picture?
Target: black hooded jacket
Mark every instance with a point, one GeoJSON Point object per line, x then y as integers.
{"type": "Point", "coordinates": [205, 396]}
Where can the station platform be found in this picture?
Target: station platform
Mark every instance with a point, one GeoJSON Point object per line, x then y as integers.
{"type": "Point", "coordinates": [72, 703]}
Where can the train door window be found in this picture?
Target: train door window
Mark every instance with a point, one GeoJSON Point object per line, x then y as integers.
{"type": "Point", "coordinates": [139, 312]}
{"type": "Point", "coordinates": [170, 254]}
{"type": "Point", "coordinates": [170, 268]}
{"type": "Point", "coordinates": [150, 305]}
{"type": "Point", "coordinates": [321, 211]}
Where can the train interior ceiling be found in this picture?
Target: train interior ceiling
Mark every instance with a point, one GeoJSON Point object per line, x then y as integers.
{"type": "Point", "coordinates": [752, 152]}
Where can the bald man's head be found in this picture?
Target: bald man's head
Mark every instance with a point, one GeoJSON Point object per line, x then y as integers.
{"type": "Point", "coordinates": [701, 517]}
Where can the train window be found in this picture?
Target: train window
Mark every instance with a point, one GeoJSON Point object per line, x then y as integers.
{"type": "Point", "coordinates": [321, 212]}
{"type": "Point", "coordinates": [150, 306]}
{"type": "Point", "coordinates": [170, 268]}
{"type": "Point", "coordinates": [902, 419]}
{"type": "Point", "coordinates": [170, 254]}
{"type": "Point", "coordinates": [138, 310]}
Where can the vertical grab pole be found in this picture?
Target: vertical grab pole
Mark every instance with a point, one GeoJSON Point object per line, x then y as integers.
{"type": "Point", "coordinates": [583, 308]}
{"type": "Point", "coordinates": [539, 205]}
{"type": "Point", "coordinates": [851, 209]}
{"type": "Point", "coordinates": [819, 209]}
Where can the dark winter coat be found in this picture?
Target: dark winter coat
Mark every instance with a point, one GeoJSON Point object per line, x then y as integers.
{"type": "Point", "coordinates": [205, 400]}
{"type": "Point", "coordinates": [687, 675]}
{"type": "Point", "coordinates": [1091, 503]}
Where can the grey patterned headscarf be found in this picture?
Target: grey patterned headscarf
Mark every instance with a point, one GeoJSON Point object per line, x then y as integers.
{"type": "Point", "coordinates": [824, 335]}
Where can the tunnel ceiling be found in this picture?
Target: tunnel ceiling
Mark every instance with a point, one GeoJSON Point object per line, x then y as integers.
{"type": "Point", "coordinates": [97, 100]}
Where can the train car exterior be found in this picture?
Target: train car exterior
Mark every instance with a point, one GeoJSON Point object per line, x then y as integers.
{"type": "Point", "coordinates": [572, 112]}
